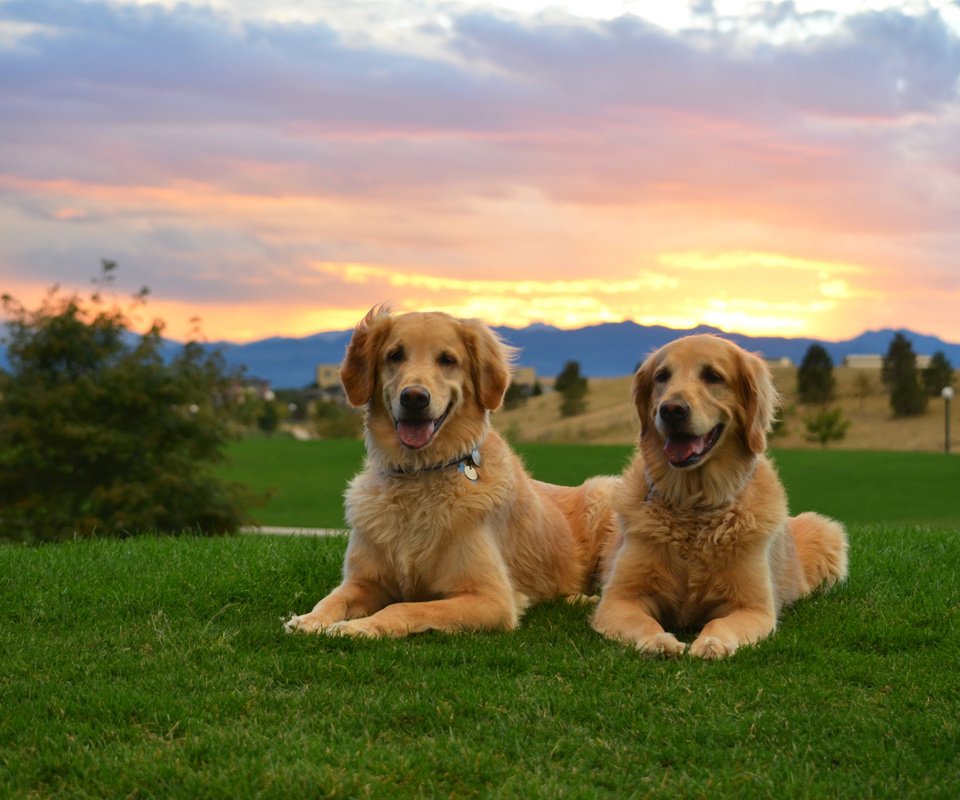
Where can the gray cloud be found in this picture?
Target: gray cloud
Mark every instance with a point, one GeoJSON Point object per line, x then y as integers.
{"type": "Point", "coordinates": [94, 68]}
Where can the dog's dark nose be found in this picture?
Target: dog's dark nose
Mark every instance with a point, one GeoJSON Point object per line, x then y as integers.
{"type": "Point", "coordinates": [674, 412]}
{"type": "Point", "coordinates": [414, 398]}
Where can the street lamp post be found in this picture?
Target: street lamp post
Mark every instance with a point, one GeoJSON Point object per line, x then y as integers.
{"type": "Point", "coordinates": [947, 394]}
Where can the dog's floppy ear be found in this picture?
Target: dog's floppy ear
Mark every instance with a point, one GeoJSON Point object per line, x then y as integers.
{"type": "Point", "coordinates": [760, 401]}
{"type": "Point", "coordinates": [490, 362]}
{"type": "Point", "coordinates": [359, 368]}
{"type": "Point", "coordinates": [643, 391]}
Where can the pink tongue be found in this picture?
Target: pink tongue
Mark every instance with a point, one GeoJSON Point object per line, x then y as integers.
{"type": "Point", "coordinates": [681, 448]}
{"type": "Point", "coordinates": [415, 434]}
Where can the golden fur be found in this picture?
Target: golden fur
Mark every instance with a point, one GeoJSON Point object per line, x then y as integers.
{"type": "Point", "coordinates": [706, 541]}
{"type": "Point", "coordinates": [429, 548]}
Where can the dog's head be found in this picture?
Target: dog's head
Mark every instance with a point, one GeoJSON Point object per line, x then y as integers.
{"type": "Point", "coordinates": [428, 381]}
{"type": "Point", "coordinates": [701, 396]}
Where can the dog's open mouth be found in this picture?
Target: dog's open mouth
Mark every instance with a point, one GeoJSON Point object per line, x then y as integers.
{"type": "Point", "coordinates": [417, 433]}
{"type": "Point", "coordinates": [684, 450]}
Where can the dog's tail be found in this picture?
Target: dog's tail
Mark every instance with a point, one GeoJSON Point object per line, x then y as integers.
{"type": "Point", "coordinates": [821, 545]}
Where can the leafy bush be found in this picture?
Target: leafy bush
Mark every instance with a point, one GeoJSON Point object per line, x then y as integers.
{"type": "Point", "coordinates": [828, 425]}
{"type": "Point", "coordinates": [335, 421]}
{"type": "Point", "coordinates": [99, 435]}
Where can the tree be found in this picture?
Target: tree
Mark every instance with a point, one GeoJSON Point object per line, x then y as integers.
{"type": "Point", "coordinates": [828, 425]}
{"type": "Point", "coordinates": [815, 381]}
{"type": "Point", "coordinates": [573, 390]}
{"type": "Point", "coordinates": [778, 428]}
{"type": "Point", "coordinates": [863, 386]}
{"type": "Point", "coordinates": [907, 398]}
{"type": "Point", "coordinates": [332, 420]}
{"type": "Point", "coordinates": [268, 418]}
{"type": "Point", "coordinates": [99, 435]}
{"type": "Point", "coordinates": [938, 374]}
{"type": "Point", "coordinates": [516, 396]}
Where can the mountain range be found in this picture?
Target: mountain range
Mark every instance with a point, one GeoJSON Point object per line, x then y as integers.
{"type": "Point", "coordinates": [605, 350]}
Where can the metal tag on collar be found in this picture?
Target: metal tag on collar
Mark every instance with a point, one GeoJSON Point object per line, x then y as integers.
{"type": "Point", "coordinates": [469, 465]}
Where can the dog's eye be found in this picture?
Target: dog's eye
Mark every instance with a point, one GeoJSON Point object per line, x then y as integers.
{"type": "Point", "coordinates": [661, 375]}
{"type": "Point", "coordinates": [395, 356]}
{"type": "Point", "coordinates": [710, 375]}
{"type": "Point", "coordinates": [447, 360]}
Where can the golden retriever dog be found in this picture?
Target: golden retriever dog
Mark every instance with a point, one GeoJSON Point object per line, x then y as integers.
{"type": "Point", "coordinates": [448, 531]}
{"type": "Point", "coordinates": [706, 541]}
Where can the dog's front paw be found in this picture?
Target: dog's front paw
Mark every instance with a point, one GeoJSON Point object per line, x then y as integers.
{"type": "Point", "coordinates": [713, 647]}
{"type": "Point", "coordinates": [581, 599]}
{"type": "Point", "coordinates": [304, 623]}
{"type": "Point", "coordinates": [661, 644]}
{"type": "Point", "coordinates": [364, 628]}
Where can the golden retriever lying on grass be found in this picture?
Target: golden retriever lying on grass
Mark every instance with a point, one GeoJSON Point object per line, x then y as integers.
{"type": "Point", "coordinates": [448, 531]}
{"type": "Point", "coordinates": [706, 540]}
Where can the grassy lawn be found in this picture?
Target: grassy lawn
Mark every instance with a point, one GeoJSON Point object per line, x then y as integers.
{"type": "Point", "coordinates": [157, 667]}
{"type": "Point", "coordinates": [308, 479]}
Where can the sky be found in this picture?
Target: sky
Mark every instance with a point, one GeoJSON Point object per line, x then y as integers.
{"type": "Point", "coordinates": [277, 168]}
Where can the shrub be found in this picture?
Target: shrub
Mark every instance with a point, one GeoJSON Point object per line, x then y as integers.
{"type": "Point", "coordinates": [828, 425]}
{"type": "Point", "coordinates": [335, 421]}
{"type": "Point", "coordinates": [99, 435]}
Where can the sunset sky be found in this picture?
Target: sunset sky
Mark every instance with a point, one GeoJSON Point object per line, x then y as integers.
{"type": "Point", "coordinates": [276, 168]}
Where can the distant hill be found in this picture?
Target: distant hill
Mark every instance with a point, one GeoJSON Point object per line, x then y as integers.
{"type": "Point", "coordinates": [603, 351]}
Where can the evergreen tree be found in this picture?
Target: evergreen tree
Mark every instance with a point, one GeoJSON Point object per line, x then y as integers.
{"type": "Point", "coordinates": [516, 396]}
{"type": "Point", "coordinates": [99, 435]}
{"type": "Point", "coordinates": [573, 389]}
{"type": "Point", "coordinates": [900, 375]}
{"type": "Point", "coordinates": [815, 381]}
{"type": "Point", "coordinates": [938, 374]}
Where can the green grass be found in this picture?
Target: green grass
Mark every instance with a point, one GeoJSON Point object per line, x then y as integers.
{"type": "Point", "coordinates": [308, 479]}
{"type": "Point", "coordinates": [872, 486]}
{"type": "Point", "coordinates": [157, 668]}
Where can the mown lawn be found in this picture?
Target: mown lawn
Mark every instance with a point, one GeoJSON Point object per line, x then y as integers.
{"type": "Point", "coordinates": [308, 479]}
{"type": "Point", "coordinates": [157, 667]}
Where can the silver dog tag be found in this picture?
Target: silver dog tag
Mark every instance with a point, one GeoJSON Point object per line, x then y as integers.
{"type": "Point", "coordinates": [475, 457]}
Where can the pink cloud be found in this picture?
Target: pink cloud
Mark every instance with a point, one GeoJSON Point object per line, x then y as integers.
{"type": "Point", "coordinates": [515, 148]}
